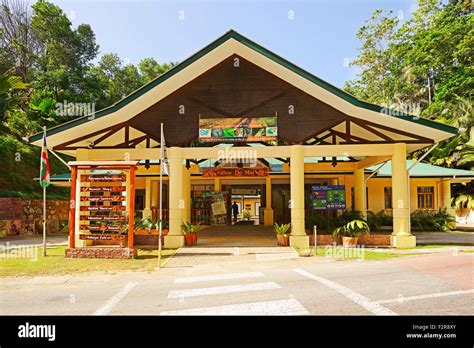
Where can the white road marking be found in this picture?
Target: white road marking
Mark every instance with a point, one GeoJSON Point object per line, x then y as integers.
{"type": "Point", "coordinates": [421, 297]}
{"type": "Point", "coordinates": [216, 290]}
{"type": "Point", "coordinates": [107, 306]}
{"type": "Point", "coordinates": [281, 307]}
{"type": "Point", "coordinates": [361, 300]}
{"type": "Point", "coordinates": [218, 277]}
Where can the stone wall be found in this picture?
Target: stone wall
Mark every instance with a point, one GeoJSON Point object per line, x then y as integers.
{"type": "Point", "coordinates": [368, 240]}
{"type": "Point", "coordinates": [24, 216]}
{"type": "Point", "coordinates": [100, 253]}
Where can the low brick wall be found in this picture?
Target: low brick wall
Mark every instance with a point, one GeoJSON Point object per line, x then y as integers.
{"type": "Point", "coordinates": [24, 216]}
{"type": "Point", "coordinates": [100, 253]}
{"type": "Point", "coordinates": [369, 240]}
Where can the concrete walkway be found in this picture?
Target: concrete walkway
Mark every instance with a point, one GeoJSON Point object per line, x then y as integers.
{"type": "Point", "coordinates": [237, 236]}
{"type": "Point", "coordinates": [456, 238]}
{"type": "Point", "coordinates": [21, 242]}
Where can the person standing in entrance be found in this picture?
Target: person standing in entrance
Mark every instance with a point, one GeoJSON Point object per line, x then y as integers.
{"type": "Point", "coordinates": [235, 211]}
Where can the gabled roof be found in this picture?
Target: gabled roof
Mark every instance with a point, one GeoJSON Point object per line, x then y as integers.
{"type": "Point", "coordinates": [423, 170]}
{"type": "Point", "coordinates": [226, 45]}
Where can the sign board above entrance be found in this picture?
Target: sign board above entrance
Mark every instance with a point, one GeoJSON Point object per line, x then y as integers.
{"type": "Point", "coordinates": [240, 129]}
{"type": "Point", "coordinates": [235, 172]}
{"type": "Point", "coordinates": [329, 197]}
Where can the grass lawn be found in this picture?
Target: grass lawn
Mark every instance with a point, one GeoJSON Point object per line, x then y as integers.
{"type": "Point", "coordinates": [56, 264]}
{"type": "Point", "coordinates": [341, 253]}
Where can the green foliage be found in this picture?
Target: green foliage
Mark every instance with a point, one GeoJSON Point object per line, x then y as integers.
{"type": "Point", "coordinates": [282, 229]}
{"type": "Point", "coordinates": [145, 223]}
{"type": "Point", "coordinates": [323, 223]}
{"type": "Point", "coordinates": [441, 220]}
{"type": "Point", "coordinates": [379, 219]}
{"type": "Point", "coordinates": [190, 228]}
{"type": "Point", "coordinates": [463, 196]}
{"type": "Point", "coordinates": [20, 164]}
{"type": "Point", "coordinates": [329, 223]}
{"type": "Point", "coordinates": [423, 66]}
{"type": "Point", "coordinates": [464, 201]}
{"type": "Point", "coordinates": [44, 61]}
{"type": "Point", "coordinates": [354, 228]}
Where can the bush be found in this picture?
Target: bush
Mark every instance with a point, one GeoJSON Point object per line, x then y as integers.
{"type": "Point", "coordinates": [378, 220]}
{"type": "Point", "coordinates": [441, 220]}
{"type": "Point", "coordinates": [324, 223]}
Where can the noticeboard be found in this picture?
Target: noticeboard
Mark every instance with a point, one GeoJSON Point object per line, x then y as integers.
{"type": "Point", "coordinates": [238, 129]}
{"type": "Point", "coordinates": [329, 197]}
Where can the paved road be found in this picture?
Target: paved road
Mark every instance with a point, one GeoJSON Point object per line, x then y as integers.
{"type": "Point", "coordinates": [257, 281]}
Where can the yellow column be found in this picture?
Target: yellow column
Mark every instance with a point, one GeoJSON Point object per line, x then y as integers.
{"type": "Point", "coordinates": [155, 193]}
{"type": "Point", "coordinates": [175, 237]}
{"type": "Point", "coordinates": [186, 194]}
{"type": "Point", "coordinates": [298, 237]}
{"type": "Point", "coordinates": [447, 197]}
{"type": "Point", "coordinates": [217, 184]}
{"type": "Point", "coordinates": [147, 209]}
{"type": "Point", "coordinates": [268, 212]}
{"type": "Point", "coordinates": [360, 192]}
{"type": "Point", "coordinates": [401, 237]}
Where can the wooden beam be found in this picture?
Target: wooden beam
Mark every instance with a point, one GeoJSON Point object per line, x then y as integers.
{"type": "Point", "coordinates": [373, 130]}
{"type": "Point", "coordinates": [421, 139]}
{"type": "Point", "coordinates": [87, 136]}
{"type": "Point", "coordinates": [108, 134]}
{"type": "Point", "coordinates": [279, 95]}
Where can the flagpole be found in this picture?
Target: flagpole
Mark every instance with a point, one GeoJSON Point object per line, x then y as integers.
{"type": "Point", "coordinates": [160, 214]}
{"type": "Point", "coordinates": [44, 221]}
{"type": "Point", "coordinates": [44, 211]}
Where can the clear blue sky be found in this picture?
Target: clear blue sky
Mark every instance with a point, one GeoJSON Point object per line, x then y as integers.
{"type": "Point", "coordinates": [320, 37]}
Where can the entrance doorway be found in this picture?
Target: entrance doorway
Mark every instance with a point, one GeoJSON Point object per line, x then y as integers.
{"type": "Point", "coordinates": [244, 204]}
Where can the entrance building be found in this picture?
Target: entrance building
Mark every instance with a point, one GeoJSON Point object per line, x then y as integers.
{"type": "Point", "coordinates": [243, 124]}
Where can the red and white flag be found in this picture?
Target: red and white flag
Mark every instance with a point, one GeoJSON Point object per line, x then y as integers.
{"type": "Point", "coordinates": [44, 164]}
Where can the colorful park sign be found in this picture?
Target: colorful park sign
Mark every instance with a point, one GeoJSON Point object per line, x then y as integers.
{"type": "Point", "coordinates": [239, 172]}
{"type": "Point", "coordinates": [329, 197]}
{"type": "Point", "coordinates": [239, 129]}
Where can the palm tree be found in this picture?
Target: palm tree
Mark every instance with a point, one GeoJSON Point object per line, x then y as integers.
{"type": "Point", "coordinates": [12, 92]}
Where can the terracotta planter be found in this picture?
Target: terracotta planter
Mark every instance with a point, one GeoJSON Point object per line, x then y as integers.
{"type": "Point", "coordinates": [190, 239]}
{"type": "Point", "coordinates": [349, 241]}
{"type": "Point", "coordinates": [283, 240]}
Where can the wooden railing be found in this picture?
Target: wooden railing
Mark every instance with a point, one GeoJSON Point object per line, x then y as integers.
{"type": "Point", "coordinates": [155, 213]}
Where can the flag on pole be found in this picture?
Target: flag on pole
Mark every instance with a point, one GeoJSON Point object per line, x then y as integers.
{"type": "Point", "coordinates": [164, 163]}
{"type": "Point", "coordinates": [44, 164]}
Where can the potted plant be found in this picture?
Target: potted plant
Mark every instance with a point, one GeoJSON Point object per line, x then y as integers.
{"type": "Point", "coordinates": [351, 232]}
{"type": "Point", "coordinates": [283, 236]}
{"type": "Point", "coordinates": [144, 226]}
{"type": "Point", "coordinates": [190, 232]}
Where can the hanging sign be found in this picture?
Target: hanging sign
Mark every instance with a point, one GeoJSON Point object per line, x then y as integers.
{"type": "Point", "coordinates": [103, 198]}
{"type": "Point", "coordinates": [235, 172]}
{"type": "Point", "coordinates": [103, 177]}
{"type": "Point", "coordinates": [238, 129]}
{"type": "Point", "coordinates": [104, 208]}
{"type": "Point", "coordinates": [103, 188]}
{"type": "Point", "coordinates": [329, 197]}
